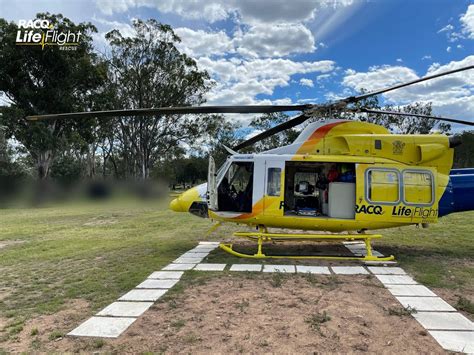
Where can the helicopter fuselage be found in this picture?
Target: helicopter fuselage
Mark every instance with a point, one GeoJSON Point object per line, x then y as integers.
{"type": "Point", "coordinates": [337, 176]}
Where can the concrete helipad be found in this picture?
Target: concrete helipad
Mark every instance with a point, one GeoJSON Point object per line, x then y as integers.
{"type": "Point", "coordinates": [396, 279]}
{"type": "Point", "coordinates": [443, 321]}
{"type": "Point", "coordinates": [125, 309]}
{"type": "Point", "coordinates": [460, 341]}
{"type": "Point", "coordinates": [142, 295]}
{"type": "Point", "coordinates": [179, 267]}
{"type": "Point", "coordinates": [425, 303]}
{"type": "Point", "coordinates": [410, 290]}
{"type": "Point", "coordinates": [172, 275]}
{"type": "Point", "coordinates": [279, 268]}
{"type": "Point", "coordinates": [246, 267]}
{"type": "Point", "coordinates": [450, 329]}
{"type": "Point", "coordinates": [349, 270]}
{"type": "Point", "coordinates": [313, 269]}
{"type": "Point", "coordinates": [382, 270]}
{"type": "Point", "coordinates": [154, 283]}
{"type": "Point", "coordinates": [187, 260]}
{"type": "Point", "coordinates": [104, 327]}
{"type": "Point", "coordinates": [210, 267]}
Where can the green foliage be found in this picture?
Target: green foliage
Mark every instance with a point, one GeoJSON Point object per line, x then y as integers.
{"type": "Point", "coordinates": [147, 70]}
{"type": "Point", "coordinates": [267, 121]}
{"type": "Point", "coordinates": [182, 171]}
{"type": "Point", "coordinates": [276, 279]}
{"type": "Point", "coordinates": [55, 334]}
{"type": "Point", "coordinates": [179, 323]}
{"type": "Point", "coordinates": [317, 319]}
{"type": "Point", "coordinates": [401, 311]}
{"type": "Point", "coordinates": [398, 124]}
{"type": "Point", "coordinates": [463, 304]}
{"type": "Point", "coordinates": [48, 80]}
{"type": "Point", "coordinates": [464, 153]}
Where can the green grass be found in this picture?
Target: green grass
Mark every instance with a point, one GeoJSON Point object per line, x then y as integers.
{"type": "Point", "coordinates": [90, 251]}
{"type": "Point", "coordinates": [463, 304]}
{"type": "Point", "coordinates": [317, 319]}
{"type": "Point", "coordinates": [401, 311]}
{"type": "Point", "coordinates": [98, 251]}
{"type": "Point", "coordinates": [439, 256]}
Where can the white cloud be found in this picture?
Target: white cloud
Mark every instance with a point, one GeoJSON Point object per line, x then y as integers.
{"type": "Point", "coordinates": [274, 40]}
{"type": "Point", "coordinates": [448, 49]}
{"type": "Point", "coordinates": [467, 21]}
{"type": "Point", "coordinates": [446, 28]}
{"type": "Point", "coordinates": [399, 60]}
{"type": "Point", "coordinates": [238, 82]}
{"type": "Point", "coordinates": [250, 11]}
{"type": "Point", "coordinates": [452, 95]}
{"type": "Point", "coordinates": [200, 43]}
{"type": "Point", "coordinates": [323, 77]}
{"type": "Point", "coordinates": [253, 133]}
{"type": "Point", "coordinates": [306, 82]}
{"type": "Point", "coordinates": [426, 57]}
{"type": "Point", "coordinates": [378, 77]}
{"type": "Point", "coordinates": [260, 41]}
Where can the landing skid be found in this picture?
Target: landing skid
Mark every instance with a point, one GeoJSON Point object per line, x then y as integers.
{"type": "Point", "coordinates": [264, 236]}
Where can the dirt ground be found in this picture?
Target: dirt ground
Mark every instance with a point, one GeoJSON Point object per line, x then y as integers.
{"type": "Point", "coordinates": [251, 313]}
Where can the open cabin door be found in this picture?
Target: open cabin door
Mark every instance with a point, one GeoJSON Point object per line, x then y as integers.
{"type": "Point", "coordinates": [273, 196]}
{"type": "Point", "coordinates": [211, 185]}
{"type": "Point", "coordinates": [396, 193]}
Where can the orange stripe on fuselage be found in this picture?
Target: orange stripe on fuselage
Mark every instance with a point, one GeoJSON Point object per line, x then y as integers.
{"type": "Point", "coordinates": [256, 209]}
{"type": "Point", "coordinates": [309, 144]}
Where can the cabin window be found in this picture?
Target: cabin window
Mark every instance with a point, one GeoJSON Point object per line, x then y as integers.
{"type": "Point", "coordinates": [418, 187]}
{"type": "Point", "coordinates": [273, 182]}
{"type": "Point", "coordinates": [383, 185]}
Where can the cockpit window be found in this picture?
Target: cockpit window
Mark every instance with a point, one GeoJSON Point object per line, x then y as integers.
{"type": "Point", "coordinates": [236, 188]}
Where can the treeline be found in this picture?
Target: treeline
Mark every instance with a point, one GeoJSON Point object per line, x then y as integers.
{"type": "Point", "coordinates": [145, 70]}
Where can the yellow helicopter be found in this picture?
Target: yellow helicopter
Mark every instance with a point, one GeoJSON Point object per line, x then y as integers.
{"type": "Point", "coordinates": [337, 176]}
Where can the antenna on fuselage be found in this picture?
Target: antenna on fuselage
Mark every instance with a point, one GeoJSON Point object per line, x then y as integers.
{"type": "Point", "coordinates": [229, 150]}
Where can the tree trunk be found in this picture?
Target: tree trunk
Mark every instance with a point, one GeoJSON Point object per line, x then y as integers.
{"type": "Point", "coordinates": [43, 163]}
{"type": "Point", "coordinates": [91, 161]}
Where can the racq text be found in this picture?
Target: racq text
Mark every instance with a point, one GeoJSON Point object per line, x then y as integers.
{"type": "Point", "coordinates": [41, 32]}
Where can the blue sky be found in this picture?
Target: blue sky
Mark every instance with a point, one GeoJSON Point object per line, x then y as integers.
{"type": "Point", "coordinates": [296, 51]}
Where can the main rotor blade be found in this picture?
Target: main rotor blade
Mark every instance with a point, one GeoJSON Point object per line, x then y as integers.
{"type": "Point", "coordinates": [353, 99]}
{"type": "Point", "coordinates": [274, 130]}
{"type": "Point", "coordinates": [452, 120]}
{"type": "Point", "coordinates": [173, 111]}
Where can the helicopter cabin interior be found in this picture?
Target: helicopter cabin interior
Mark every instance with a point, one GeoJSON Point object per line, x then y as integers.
{"type": "Point", "coordinates": [320, 189]}
{"type": "Point", "coordinates": [235, 190]}
{"type": "Point", "coordinates": [312, 189]}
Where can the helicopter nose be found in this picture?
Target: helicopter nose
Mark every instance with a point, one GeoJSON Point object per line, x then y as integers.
{"type": "Point", "coordinates": [176, 206]}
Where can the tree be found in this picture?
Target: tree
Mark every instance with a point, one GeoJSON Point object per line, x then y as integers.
{"type": "Point", "coordinates": [464, 153]}
{"type": "Point", "coordinates": [267, 121]}
{"type": "Point", "coordinates": [12, 173]}
{"type": "Point", "coordinates": [49, 80]}
{"type": "Point", "coordinates": [399, 124]}
{"type": "Point", "coordinates": [147, 70]}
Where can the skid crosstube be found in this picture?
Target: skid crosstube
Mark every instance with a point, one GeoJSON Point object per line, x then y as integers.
{"type": "Point", "coordinates": [261, 237]}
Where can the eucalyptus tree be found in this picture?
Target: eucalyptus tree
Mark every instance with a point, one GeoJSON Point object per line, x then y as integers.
{"type": "Point", "coordinates": [147, 70]}
{"type": "Point", "coordinates": [48, 79]}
